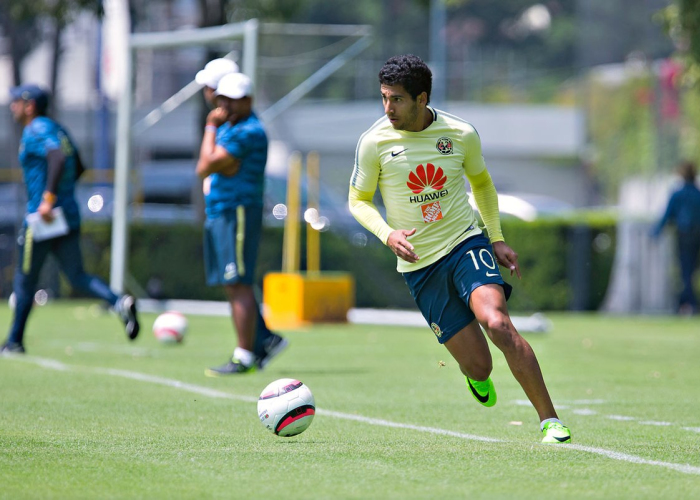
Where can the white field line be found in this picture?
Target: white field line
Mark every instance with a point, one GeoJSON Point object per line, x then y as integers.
{"type": "Point", "coordinates": [588, 412]}
{"type": "Point", "coordinates": [206, 391]}
{"type": "Point", "coordinates": [615, 455]}
{"type": "Point", "coordinates": [397, 425]}
{"type": "Point", "coordinates": [176, 384]}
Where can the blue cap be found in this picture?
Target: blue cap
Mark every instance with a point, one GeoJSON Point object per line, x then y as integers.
{"type": "Point", "coordinates": [31, 92]}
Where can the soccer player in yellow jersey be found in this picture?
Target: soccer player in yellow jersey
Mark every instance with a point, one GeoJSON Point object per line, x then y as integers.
{"type": "Point", "coordinates": [418, 157]}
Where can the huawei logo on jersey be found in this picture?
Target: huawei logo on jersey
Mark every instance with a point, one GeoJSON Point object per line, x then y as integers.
{"type": "Point", "coordinates": [426, 177]}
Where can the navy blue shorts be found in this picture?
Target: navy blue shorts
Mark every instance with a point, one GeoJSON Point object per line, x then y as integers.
{"type": "Point", "coordinates": [442, 289]}
{"type": "Point", "coordinates": [231, 246]}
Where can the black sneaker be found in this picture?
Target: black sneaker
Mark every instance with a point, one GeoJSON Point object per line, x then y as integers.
{"type": "Point", "coordinates": [11, 348]}
{"type": "Point", "coordinates": [274, 346]}
{"type": "Point", "coordinates": [233, 367]}
{"type": "Point", "coordinates": [126, 308]}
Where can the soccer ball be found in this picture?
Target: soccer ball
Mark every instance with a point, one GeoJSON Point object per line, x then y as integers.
{"type": "Point", "coordinates": [170, 327]}
{"type": "Point", "coordinates": [286, 407]}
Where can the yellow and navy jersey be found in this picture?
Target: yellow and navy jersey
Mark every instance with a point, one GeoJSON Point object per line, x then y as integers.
{"type": "Point", "coordinates": [421, 177]}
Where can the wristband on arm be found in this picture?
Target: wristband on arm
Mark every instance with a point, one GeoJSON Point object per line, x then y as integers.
{"type": "Point", "coordinates": [49, 197]}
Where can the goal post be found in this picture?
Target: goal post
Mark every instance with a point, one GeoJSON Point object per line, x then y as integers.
{"type": "Point", "coordinates": [247, 31]}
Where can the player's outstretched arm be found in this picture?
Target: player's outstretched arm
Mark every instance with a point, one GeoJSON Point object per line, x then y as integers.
{"type": "Point", "coordinates": [366, 213]}
{"type": "Point", "coordinates": [487, 200]}
{"type": "Point", "coordinates": [506, 257]}
{"type": "Point", "coordinates": [399, 244]}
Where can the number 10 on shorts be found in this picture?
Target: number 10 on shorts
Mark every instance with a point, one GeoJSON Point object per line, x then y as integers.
{"type": "Point", "coordinates": [486, 259]}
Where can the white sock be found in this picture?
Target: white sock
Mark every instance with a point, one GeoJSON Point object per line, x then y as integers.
{"type": "Point", "coordinates": [549, 420]}
{"type": "Point", "coordinates": [244, 356]}
{"type": "Point", "coordinates": [118, 306]}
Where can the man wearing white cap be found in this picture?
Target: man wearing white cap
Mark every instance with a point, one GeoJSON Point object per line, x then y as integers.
{"type": "Point", "coordinates": [232, 162]}
{"type": "Point", "coordinates": [211, 74]}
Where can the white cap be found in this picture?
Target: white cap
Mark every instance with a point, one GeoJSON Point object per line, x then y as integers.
{"type": "Point", "coordinates": [235, 86]}
{"type": "Point", "coordinates": [214, 71]}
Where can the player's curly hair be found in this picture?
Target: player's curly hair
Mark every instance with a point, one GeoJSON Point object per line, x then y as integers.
{"type": "Point", "coordinates": [410, 72]}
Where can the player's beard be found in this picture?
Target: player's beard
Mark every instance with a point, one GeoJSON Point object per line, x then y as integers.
{"type": "Point", "coordinates": [410, 119]}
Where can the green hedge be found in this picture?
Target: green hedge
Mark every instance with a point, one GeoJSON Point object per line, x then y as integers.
{"type": "Point", "coordinates": [172, 256]}
{"type": "Point", "coordinates": [557, 269]}
{"type": "Point", "coordinates": [549, 259]}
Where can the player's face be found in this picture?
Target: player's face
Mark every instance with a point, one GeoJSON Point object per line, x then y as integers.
{"type": "Point", "coordinates": [235, 108]}
{"type": "Point", "coordinates": [209, 96]}
{"type": "Point", "coordinates": [18, 108]}
{"type": "Point", "coordinates": [404, 112]}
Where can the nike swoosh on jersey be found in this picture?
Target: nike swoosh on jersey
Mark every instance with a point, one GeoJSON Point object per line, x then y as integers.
{"type": "Point", "coordinates": [393, 154]}
{"type": "Point", "coordinates": [490, 275]}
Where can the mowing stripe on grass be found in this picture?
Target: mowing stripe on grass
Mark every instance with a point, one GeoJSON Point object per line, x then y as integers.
{"type": "Point", "coordinates": [206, 391]}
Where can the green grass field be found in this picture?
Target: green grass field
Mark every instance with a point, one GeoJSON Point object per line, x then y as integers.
{"type": "Point", "coordinates": [88, 415]}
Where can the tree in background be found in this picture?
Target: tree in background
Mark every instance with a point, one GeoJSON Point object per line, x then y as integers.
{"type": "Point", "coordinates": [21, 32]}
{"type": "Point", "coordinates": [21, 21]}
{"type": "Point", "coordinates": [518, 33]}
{"type": "Point", "coordinates": [681, 21]}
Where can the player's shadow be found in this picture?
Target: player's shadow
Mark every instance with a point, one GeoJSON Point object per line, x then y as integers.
{"type": "Point", "coordinates": [290, 441]}
{"type": "Point", "coordinates": [296, 373]}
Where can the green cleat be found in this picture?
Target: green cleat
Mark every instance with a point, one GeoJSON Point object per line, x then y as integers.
{"type": "Point", "coordinates": [556, 432]}
{"type": "Point", "coordinates": [483, 392]}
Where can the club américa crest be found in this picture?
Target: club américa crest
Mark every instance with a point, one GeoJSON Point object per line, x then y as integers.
{"type": "Point", "coordinates": [436, 330]}
{"type": "Point", "coordinates": [444, 145]}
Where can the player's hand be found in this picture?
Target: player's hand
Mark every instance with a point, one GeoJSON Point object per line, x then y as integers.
{"type": "Point", "coordinates": [506, 257]}
{"type": "Point", "coordinates": [45, 211]}
{"type": "Point", "coordinates": [217, 117]}
{"type": "Point", "coordinates": [230, 170]}
{"type": "Point", "coordinates": [399, 244]}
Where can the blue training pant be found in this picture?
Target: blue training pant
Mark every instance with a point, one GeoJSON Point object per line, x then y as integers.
{"type": "Point", "coordinates": [31, 258]}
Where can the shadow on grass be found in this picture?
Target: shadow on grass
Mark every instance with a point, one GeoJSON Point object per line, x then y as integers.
{"type": "Point", "coordinates": [295, 373]}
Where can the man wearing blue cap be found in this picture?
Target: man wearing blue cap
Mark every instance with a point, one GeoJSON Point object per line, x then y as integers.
{"type": "Point", "coordinates": [51, 166]}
